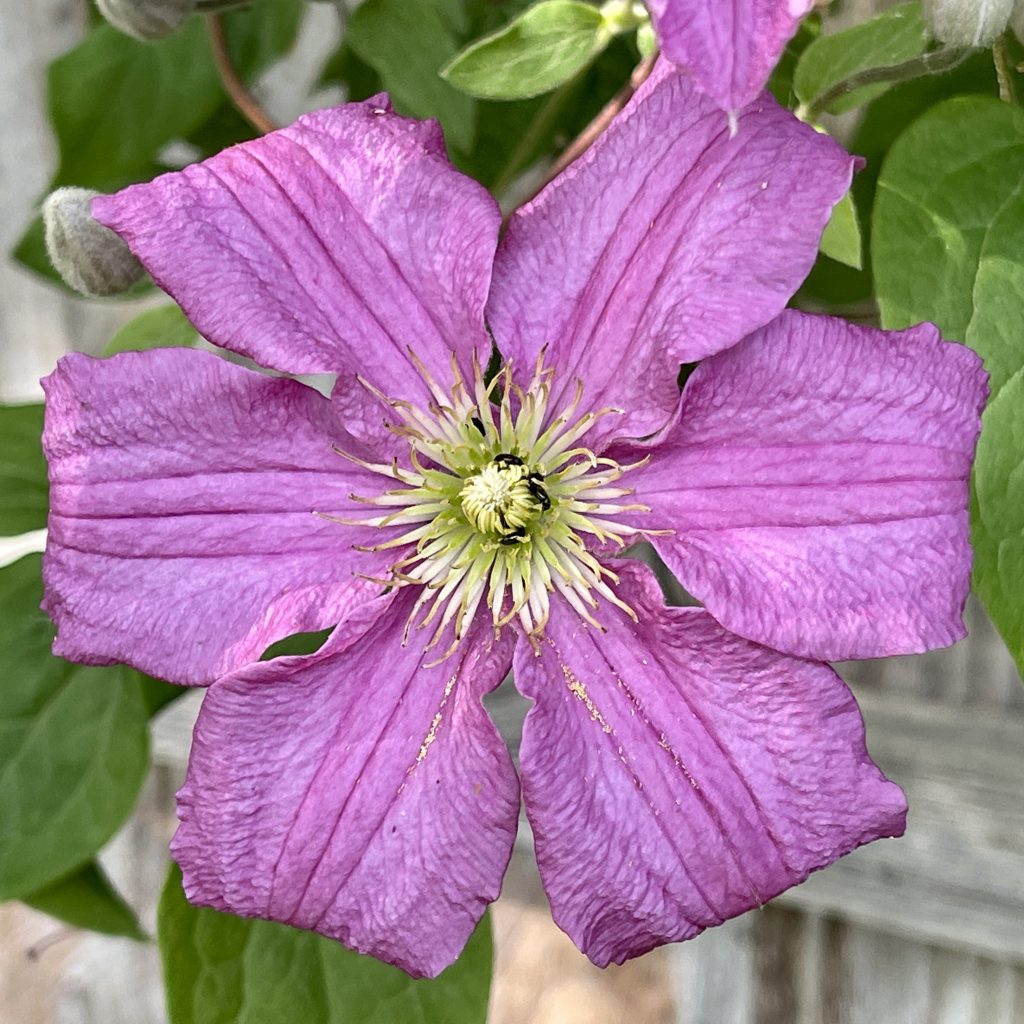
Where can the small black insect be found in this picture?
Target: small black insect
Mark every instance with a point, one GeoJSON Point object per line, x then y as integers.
{"type": "Point", "coordinates": [505, 459]}
{"type": "Point", "coordinates": [535, 485]}
{"type": "Point", "coordinates": [517, 535]}
{"type": "Point", "coordinates": [538, 493]}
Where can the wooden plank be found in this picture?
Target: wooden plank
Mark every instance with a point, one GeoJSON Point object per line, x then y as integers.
{"type": "Point", "coordinates": [953, 991]}
{"type": "Point", "coordinates": [779, 953]}
{"type": "Point", "coordinates": [888, 980]}
{"type": "Point", "coordinates": [977, 672]}
{"type": "Point", "coordinates": [970, 990]}
{"type": "Point", "coordinates": [833, 983]}
{"type": "Point", "coordinates": [956, 878]}
{"type": "Point", "coordinates": [714, 977]}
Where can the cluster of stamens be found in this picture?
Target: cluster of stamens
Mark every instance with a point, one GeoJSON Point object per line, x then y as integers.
{"type": "Point", "coordinates": [495, 504]}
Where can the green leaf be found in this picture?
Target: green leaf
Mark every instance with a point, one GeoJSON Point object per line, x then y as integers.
{"type": "Point", "coordinates": [261, 33]}
{"type": "Point", "coordinates": [998, 515]}
{"type": "Point", "coordinates": [406, 42]}
{"type": "Point", "coordinates": [347, 69]}
{"type": "Point", "coordinates": [780, 84]}
{"type": "Point", "coordinates": [841, 239]}
{"type": "Point", "coordinates": [166, 327]}
{"type": "Point", "coordinates": [948, 229]}
{"type": "Point", "coordinates": [892, 37]}
{"type": "Point", "coordinates": [515, 135]}
{"type": "Point", "coordinates": [841, 289]}
{"type": "Point", "coordinates": [24, 491]}
{"type": "Point", "coordinates": [156, 694]}
{"type": "Point", "coordinates": [219, 968]}
{"type": "Point", "coordinates": [297, 643]}
{"type": "Point", "coordinates": [537, 52]}
{"type": "Point", "coordinates": [115, 102]}
{"type": "Point", "coordinates": [86, 899]}
{"type": "Point", "coordinates": [73, 745]}
{"type": "Point", "coordinates": [889, 116]}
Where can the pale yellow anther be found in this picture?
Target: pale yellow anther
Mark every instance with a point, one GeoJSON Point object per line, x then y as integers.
{"type": "Point", "coordinates": [503, 499]}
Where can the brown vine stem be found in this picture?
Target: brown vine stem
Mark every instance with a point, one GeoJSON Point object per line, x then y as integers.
{"type": "Point", "coordinates": [589, 135]}
{"type": "Point", "coordinates": [244, 101]}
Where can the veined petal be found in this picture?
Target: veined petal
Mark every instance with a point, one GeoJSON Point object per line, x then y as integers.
{"type": "Point", "coordinates": [355, 792]}
{"type": "Point", "coordinates": [816, 484]}
{"type": "Point", "coordinates": [676, 775]}
{"type": "Point", "coordinates": [182, 534]}
{"type": "Point", "coordinates": [730, 46]}
{"type": "Point", "coordinates": [666, 241]}
{"type": "Point", "coordinates": [332, 245]}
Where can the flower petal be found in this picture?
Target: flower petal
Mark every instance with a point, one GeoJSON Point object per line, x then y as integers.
{"type": "Point", "coordinates": [355, 792]}
{"type": "Point", "coordinates": [730, 48]}
{"type": "Point", "coordinates": [817, 485]}
{"type": "Point", "coordinates": [333, 245]}
{"type": "Point", "coordinates": [666, 241]}
{"type": "Point", "coordinates": [676, 775]}
{"type": "Point", "coordinates": [182, 535]}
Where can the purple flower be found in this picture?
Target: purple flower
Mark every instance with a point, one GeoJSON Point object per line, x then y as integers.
{"type": "Point", "coordinates": [729, 46]}
{"type": "Point", "coordinates": [680, 765]}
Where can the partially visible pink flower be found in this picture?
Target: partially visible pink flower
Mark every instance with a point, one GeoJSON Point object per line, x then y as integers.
{"type": "Point", "coordinates": [729, 46]}
{"type": "Point", "coordinates": [680, 765]}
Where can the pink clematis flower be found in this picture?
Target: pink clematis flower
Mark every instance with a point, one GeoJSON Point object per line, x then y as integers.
{"type": "Point", "coordinates": [729, 46]}
{"type": "Point", "coordinates": [679, 765]}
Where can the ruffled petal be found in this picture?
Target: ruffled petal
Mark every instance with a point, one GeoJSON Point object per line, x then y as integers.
{"type": "Point", "coordinates": [335, 245]}
{"type": "Point", "coordinates": [666, 241]}
{"type": "Point", "coordinates": [816, 483]}
{"type": "Point", "coordinates": [355, 792]}
{"type": "Point", "coordinates": [676, 775]}
{"type": "Point", "coordinates": [182, 534]}
{"type": "Point", "coordinates": [730, 47]}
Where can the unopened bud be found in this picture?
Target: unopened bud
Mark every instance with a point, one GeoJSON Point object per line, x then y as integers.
{"type": "Point", "coordinates": [89, 256]}
{"type": "Point", "coordinates": [146, 19]}
{"type": "Point", "coordinates": [967, 22]}
{"type": "Point", "coordinates": [621, 16]}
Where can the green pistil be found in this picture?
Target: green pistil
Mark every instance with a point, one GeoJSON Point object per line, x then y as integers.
{"type": "Point", "coordinates": [495, 506]}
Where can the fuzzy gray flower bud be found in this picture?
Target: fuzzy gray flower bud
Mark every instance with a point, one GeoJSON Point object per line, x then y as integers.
{"type": "Point", "coordinates": [146, 19]}
{"type": "Point", "coordinates": [90, 257]}
{"type": "Point", "coordinates": [967, 22]}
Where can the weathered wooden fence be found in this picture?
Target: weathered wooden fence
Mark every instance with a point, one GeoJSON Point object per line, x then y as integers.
{"type": "Point", "coordinates": [928, 929]}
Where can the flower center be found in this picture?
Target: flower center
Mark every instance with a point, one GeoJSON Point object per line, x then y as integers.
{"type": "Point", "coordinates": [496, 504]}
{"type": "Point", "coordinates": [505, 498]}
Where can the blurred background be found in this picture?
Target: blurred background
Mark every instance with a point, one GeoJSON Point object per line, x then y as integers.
{"type": "Point", "coordinates": [928, 929]}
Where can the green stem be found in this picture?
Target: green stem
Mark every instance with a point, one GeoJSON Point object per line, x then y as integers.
{"type": "Point", "coordinates": [934, 63]}
{"type": "Point", "coordinates": [548, 111]}
{"type": "Point", "coordinates": [1004, 72]}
